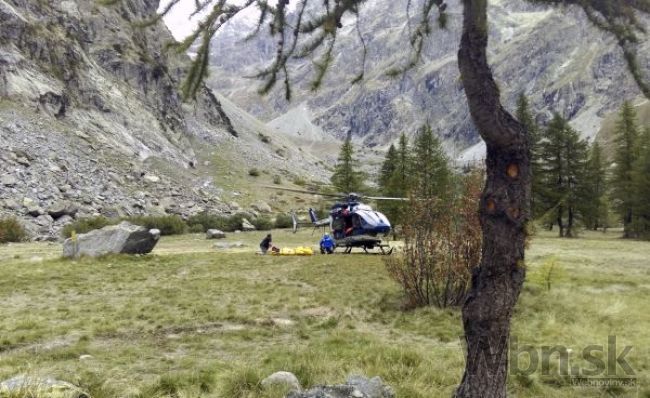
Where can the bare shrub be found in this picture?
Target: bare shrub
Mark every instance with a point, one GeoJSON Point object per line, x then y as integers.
{"type": "Point", "coordinates": [442, 244]}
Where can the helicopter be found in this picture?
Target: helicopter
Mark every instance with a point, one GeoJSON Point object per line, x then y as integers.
{"type": "Point", "coordinates": [353, 224]}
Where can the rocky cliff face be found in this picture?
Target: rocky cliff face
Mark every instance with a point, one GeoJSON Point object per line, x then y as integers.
{"type": "Point", "coordinates": [91, 120]}
{"type": "Point", "coordinates": [555, 56]}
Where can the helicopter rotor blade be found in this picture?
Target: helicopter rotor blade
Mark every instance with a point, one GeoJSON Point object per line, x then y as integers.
{"type": "Point", "coordinates": [385, 198]}
{"type": "Point", "coordinates": [301, 191]}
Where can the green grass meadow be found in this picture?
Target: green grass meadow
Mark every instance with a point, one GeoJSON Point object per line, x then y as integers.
{"type": "Point", "coordinates": [192, 321]}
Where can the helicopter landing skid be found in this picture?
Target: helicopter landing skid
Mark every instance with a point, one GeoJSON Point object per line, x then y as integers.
{"type": "Point", "coordinates": [366, 243]}
{"type": "Point", "coordinates": [385, 250]}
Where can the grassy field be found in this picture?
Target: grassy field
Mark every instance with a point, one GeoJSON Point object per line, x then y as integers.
{"type": "Point", "coordinates": [190, 321]}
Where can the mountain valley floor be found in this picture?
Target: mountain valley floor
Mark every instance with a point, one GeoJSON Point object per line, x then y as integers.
{"type": "Point", "coordinates": [190, 320]}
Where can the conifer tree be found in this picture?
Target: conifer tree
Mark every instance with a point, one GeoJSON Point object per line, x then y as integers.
{"type": "Point", "coordinates": [347, 177]}
{"type": "Point", "coordinates": [525, 117]}
{"type": "Point", "coordinates": [387, 169]}
{"type": "Point", "coordinates": [641, 188]}
{"type": "Point", "coordinates": [399, 183]}
{"type": "Point", "coordinates": [627, 153]}
{"type": "Point", "coordinates": [430, 166]}
{"type": "Point", "coordinates": [563, 172]}
{"type": "Point", "coordinates": [596, 206]}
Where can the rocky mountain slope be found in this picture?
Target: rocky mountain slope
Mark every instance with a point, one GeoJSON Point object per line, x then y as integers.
{"type": "Point", "coordinates": [91, 120]}
{"type": "Point", "coordinates": [555, 56]}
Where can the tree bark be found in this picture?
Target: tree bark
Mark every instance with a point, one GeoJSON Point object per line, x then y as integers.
{"type": "Point", "coordinates": [504, 210]}
{"type": "Point", "coordinates": [569, 230]}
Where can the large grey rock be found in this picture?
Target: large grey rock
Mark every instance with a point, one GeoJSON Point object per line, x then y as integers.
{"type": "Point", "coordinates": [215, 234]}
{"type": "Point", "coordinates": [8, 180]}
{"type": "Point", "coordinates": [247, 226]}
{"type": "Point", "coordinates": [11, 204]}
{"type": "Point", "coordinates": [32, 208]}
{"type": "Point", "coordinates": [262, 207]}
{"type": "Point", "coordinates": [355, 387]}
{"type": "Point", "coordinates": [45, 387]}
{"type": "Point", "coordinates": [282, 378]}
{"type": "Point", "coordinates": [62, 208]}
{"type": "Point", "coordinates": [122, 238]}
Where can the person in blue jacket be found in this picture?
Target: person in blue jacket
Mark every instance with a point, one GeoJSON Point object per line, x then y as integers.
{"type": "Point", "coordinates": [327, 244]}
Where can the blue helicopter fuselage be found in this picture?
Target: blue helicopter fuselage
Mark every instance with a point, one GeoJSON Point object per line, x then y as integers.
{"type": "Point", "coordinates": [355, 218]}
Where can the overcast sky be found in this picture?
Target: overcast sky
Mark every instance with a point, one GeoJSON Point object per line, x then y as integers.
{"type": "Point", "coordinates": [178, 20]}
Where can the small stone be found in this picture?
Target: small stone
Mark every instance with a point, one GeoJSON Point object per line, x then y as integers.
{"type": "Point", "coordinates": [282, 378]}
{"type": "Point", "coordinates": [214, 234]}
{"type": "Point", "coordinates": [85, 357]}
{"type": "Point", "coordinates": [155, 233]}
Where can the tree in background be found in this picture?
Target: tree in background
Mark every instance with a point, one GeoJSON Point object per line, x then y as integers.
{"type": "Point", "coordinates": [395, 181]}
{"type": "Point", "coordinates": [525, 117]}
{"type": "Point", "coordinates": [387, 169]}
{"type": "Point", "coordinates": [596, 207]}
{"type": "Point", "coordinates": [421, 171]}
{"type": "Point", "coordinates": [627, 153]}
{"type": "Point", "coordinates": [347, 177]}
{"type": "Point", "coordinates": [563, 157]}
{"type": "Point", "coordinates": [641, 188]}
{"type": "Point", "coordinates": [431, 173]}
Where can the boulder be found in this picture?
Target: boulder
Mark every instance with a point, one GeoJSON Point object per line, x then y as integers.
{"type": "Point", "coordinates": [34, 210]}
{"type": "Point", "coordinates": [11, 204]}
{"type": "Point", "coordinates": [63, 220]}
{"type": "Point", "coordinates": [112, 212]}
{"type": "Point", "coordinates": [8, 181]}
{"type": "Point", "coordinates": [282, 378]}
{"type": "Point", "coordinates": [122, 238]}
{"type": "Point", "coordinates": [152, 178]}
{"type": "Point", "coordinates": [246, 225]}
{"type": "Point", "coordinates": [214, 234]}
{"type": "Point", "coordinates": [262, 207]}
{"type": "Point", "coordinates": [44, 220]}
{"type": "Point", "coordinates": [62, 208]}
{"type": "Point", "coordinates": [355, 387]}
{"type": "Point", "coordinates": [40, 387]}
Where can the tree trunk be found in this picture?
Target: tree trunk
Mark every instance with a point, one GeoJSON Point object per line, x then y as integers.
{"type": "Point", "coordinates": [569, 229]}
{"type": "Point", "coordinates": [504, 210]}
{"type": "Point", "coordinates": [560, 222]}
{"type": "Point", "coordinates": [627, 224]}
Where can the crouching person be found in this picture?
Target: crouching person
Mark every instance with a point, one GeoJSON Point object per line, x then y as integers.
{"type": "Point", "coordinates": [327, 244]}
{"type": "Point", "coordinates": [265, 244]}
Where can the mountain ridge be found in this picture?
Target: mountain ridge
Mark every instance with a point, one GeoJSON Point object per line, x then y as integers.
{"type": "Point", "coordinates": [572, 68]}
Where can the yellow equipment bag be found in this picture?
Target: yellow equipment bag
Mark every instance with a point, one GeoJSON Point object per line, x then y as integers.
{"type": "Point", "coordinates": [285, 251]}
{"type": "Point", "coordinates": [298, 251]}
{"type": "Point", "coordinates": [304, 251]}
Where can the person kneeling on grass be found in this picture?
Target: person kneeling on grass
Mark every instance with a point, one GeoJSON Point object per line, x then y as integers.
{"type": "Point", "coordinates": [327, 244]}
{"type": "Point", "coordinates": [265, 244]}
